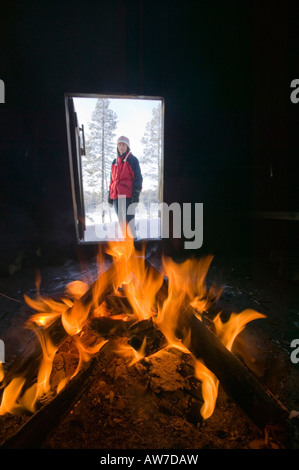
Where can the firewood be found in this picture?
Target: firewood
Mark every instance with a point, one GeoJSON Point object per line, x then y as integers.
{"type": "Point", "coordinates": [27, 363]}
{"type": "Point", "coordinates": [235, 378]}
{"type": "Point", "coordinates": [237, 381]}
{"type": "Point", "coordinates": [107, 327]}
{"type": "Point", "coordinates": [32, 433]}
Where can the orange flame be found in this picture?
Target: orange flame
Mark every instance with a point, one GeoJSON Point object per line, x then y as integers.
{"type": "Point", "coordinates": [10, 395]}
{"type": "Point", "coordinates": [210, 385]}
{"type": "Point", "coordinates": [140, 285]}
{"type": "Point", "coordinates": [134, 355]}
{"type": "Point", "coordinates": [1, 372]}
{"type": "Point", "coordinates": [232, 328]}
{"type": "Point", "coordinates": [186, 285]}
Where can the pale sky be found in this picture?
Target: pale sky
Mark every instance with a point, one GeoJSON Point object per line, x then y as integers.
{"type": "Point", "coordinates": [133, 115]}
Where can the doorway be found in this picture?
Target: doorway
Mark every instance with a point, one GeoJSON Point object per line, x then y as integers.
{"type": "Point", "coordinates": [94, 123]}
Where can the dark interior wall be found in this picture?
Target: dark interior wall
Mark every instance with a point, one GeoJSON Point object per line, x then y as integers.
{"type": "Point", "coordinates": [275, 123]}
{"type": "Point", "coordinates": [224, 69]}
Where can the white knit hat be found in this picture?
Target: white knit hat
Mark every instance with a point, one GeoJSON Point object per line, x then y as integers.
{"type": "Point", "coordinates": [124, 140]}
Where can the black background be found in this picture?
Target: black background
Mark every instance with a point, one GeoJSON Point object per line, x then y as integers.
{"type": "Point", "coordinates": [224, 70]}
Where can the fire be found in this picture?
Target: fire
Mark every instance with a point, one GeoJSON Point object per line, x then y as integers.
{"type": "Point", "coordinates": [132, 354]}
{"type": "Point", "coordinates": [210, 385]}
{"type": "Point", "coordinates": [144, 289]}
{"type": "Point", "coordinates": [237, 322]}
{"type": "Point", "coordinates": [186, 284]}
{"type": "Point", "coordinates": [140, 285]}
{"type": "Point", "coordinates": [10, 395]}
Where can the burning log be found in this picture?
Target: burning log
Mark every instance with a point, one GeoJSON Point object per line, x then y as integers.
{"type": "Point", "coordinates": [237, 381]}
{"type": "Point", "coordinates": [62, 328]}
{"type": "Point", "coordinates": [166, 318]}
{"type": "Point", "coordinates": [34, 431]}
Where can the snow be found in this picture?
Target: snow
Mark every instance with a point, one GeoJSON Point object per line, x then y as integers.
{"type": "Point", "coordinates": [145, 229]}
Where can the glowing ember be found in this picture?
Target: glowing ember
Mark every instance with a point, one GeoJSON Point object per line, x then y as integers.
{"type": "Point", "coordinates": [140, 286]}
{"type": "Point", "coordinates": [1, 372]}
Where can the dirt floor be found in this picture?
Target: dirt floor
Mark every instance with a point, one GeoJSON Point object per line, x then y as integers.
{"type": "Point", "coordinates": [155, 403]}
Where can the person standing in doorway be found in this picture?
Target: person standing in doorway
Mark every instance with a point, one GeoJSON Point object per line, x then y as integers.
{"type": "Point", "coordinates": [125, 183]}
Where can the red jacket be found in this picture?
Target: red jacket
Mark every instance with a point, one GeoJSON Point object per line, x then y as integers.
{"type": "Point", "coordinates": [125, 176]}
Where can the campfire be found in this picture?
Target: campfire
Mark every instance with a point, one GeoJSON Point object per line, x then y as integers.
{"type": "Point", "coordinates": [141, 310]}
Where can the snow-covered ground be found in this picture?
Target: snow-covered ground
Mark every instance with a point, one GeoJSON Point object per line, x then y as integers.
{"type": "Point", "coordinates": [102, 223]}
{"type": "Point", "coordinates": [105, 213]}
{"type": "Point", "coordinates": [145, 229]}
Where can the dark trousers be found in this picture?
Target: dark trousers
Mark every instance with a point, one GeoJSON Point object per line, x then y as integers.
{"type": "Point", "coordinates": [121, 208]}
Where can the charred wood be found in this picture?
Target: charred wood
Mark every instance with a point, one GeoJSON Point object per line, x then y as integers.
{"type": "Point", "coordinates": [237, 381]}
{"type": "Point", "coordinates": [38, 426]}
{"type": "Point", "coordinates": [27, 363]}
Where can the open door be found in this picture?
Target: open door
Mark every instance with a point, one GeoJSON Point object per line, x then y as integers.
{"type": "Point", "coordinates": [104, 118]}
{"type": "Point", "coordinates": [76, 145]}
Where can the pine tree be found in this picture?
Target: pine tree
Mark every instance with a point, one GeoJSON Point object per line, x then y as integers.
{"type": "Point", "coordinates": [99, 151]}
{"type": "Point", "coordinates": [152, 153]}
